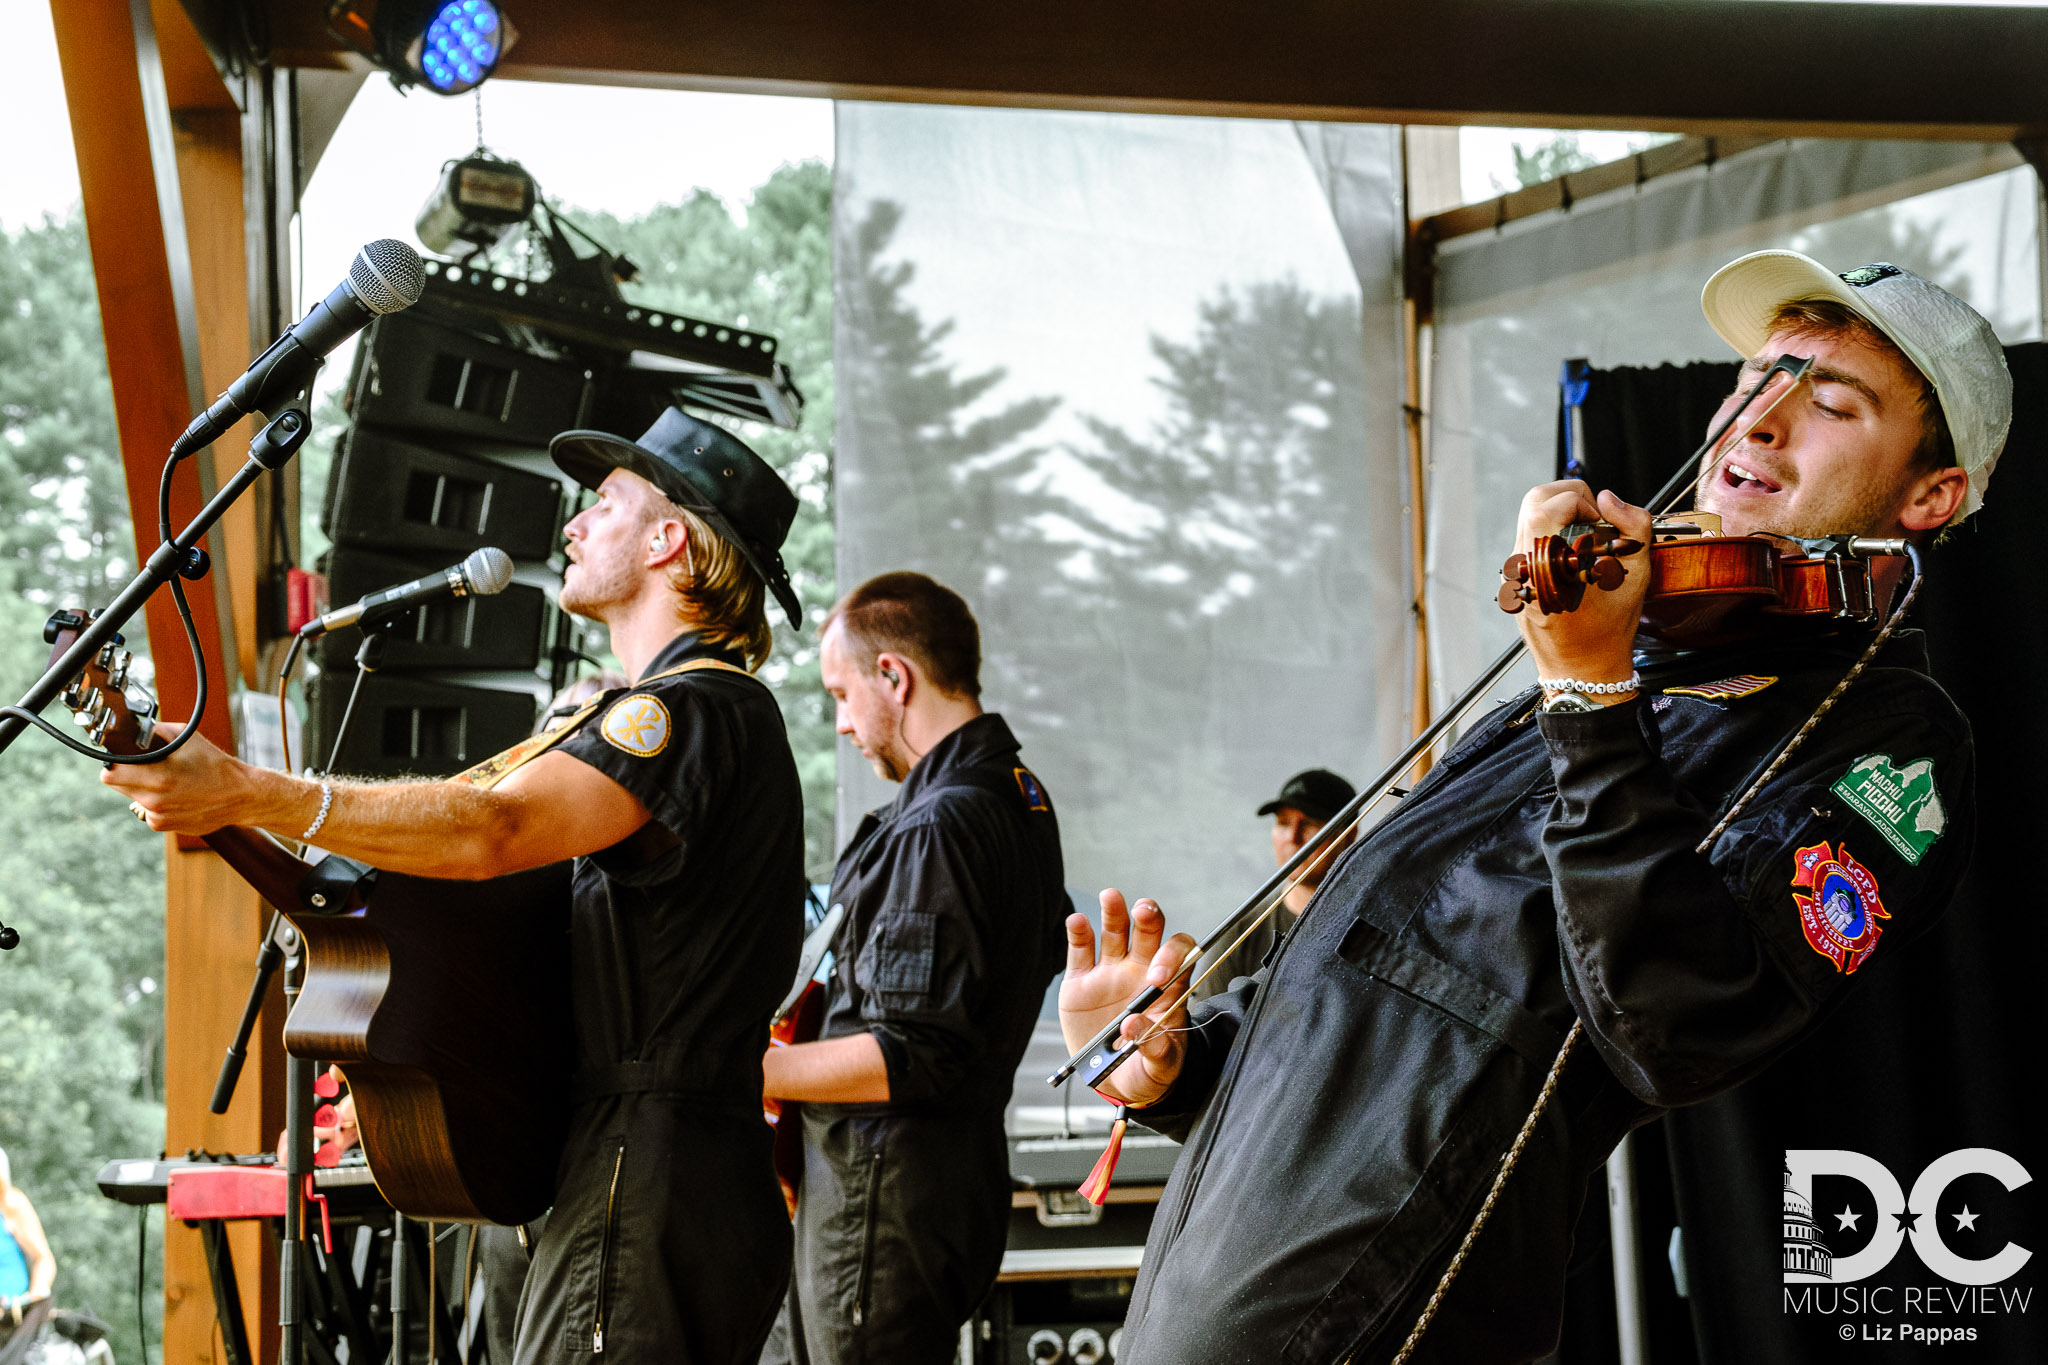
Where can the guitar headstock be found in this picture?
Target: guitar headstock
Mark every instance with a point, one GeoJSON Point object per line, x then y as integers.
{"type": "Point", "coordinates": [117, 717]}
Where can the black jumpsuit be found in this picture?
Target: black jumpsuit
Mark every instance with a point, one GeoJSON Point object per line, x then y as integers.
{"type": "Point", "coordinates": [954, 912]}
{"type": "Point", "coordinates": [1345, 1110]}
{"type": "Point", "coordinates": [669, 1241]}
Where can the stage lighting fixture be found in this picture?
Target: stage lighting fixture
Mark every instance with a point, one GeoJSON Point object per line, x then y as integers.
{"type": "Point", "coordinates": [478, 200]}
{"type": "Point", "coordinates": [448, 46]}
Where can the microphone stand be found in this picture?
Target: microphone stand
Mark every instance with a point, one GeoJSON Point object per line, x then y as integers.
{"type": "Point", "coordinates": [280, 944]}
{"type": "Point", "coordinates": [301, 1072]}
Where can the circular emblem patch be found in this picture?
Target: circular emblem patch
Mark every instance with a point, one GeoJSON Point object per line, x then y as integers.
{"type": "Point", "coordinates": [638, 724]}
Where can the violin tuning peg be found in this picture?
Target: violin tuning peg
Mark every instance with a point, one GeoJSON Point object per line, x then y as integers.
{"type": "Point", "coordinates": [1624, 547]}
{"type": "Point", "coordinates": [1512, 597]}
{"type": "Point", "coordinates": [1606, 574]}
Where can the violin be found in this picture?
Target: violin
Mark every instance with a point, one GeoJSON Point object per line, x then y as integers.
{"type": "Point", "coordinates": [1707, 588]}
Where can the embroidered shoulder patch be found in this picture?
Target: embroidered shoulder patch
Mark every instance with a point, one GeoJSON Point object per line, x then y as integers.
{"type": "Point", "coordinates": [1901, 804]}
{"type": "Point", "coordinates": [637, 724]}
{"type": "Point", "coordinates": [1725, 689]}
{"type": "Point", "coordinates": [1840, 917]}
{"type": "Point", "coordinates": [1033, 790]}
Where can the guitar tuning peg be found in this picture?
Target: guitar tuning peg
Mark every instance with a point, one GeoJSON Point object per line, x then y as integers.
{"type": "Point", "coordinates": [117, 676]}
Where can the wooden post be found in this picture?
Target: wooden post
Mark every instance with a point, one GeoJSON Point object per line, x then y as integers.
{"type": "Point", "coordinates": [1418, 278]}
{"type": "Point", "coordinates": [159, 163]}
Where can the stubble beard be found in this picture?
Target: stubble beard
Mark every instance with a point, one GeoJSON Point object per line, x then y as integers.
{"type": "Point", "coordinates": [588, 593]}
{"type": "Point", "coordinates": [884, 756]}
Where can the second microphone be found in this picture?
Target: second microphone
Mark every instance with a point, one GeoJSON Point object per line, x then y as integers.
{"type": "Point", "coordinates": [485, 572]}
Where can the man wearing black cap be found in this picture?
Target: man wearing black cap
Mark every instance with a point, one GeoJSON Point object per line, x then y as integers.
{"type": "Point", "coordinates": [1305, 804]}
{"type": "Point", "coordinates": [678, 799]}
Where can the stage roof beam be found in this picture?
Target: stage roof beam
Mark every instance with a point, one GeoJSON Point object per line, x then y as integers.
{"type": "Point", "coordinates": [1729, 68]}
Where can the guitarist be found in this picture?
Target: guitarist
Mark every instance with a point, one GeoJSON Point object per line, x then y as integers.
{"type": "Point", "coordinates": [954, 901]}
{"type": "Point", "coordinates": [678, 798]}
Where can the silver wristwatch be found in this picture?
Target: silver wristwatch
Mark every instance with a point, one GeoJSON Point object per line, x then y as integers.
{"type": "Point", "coordinates": [1567, 703]}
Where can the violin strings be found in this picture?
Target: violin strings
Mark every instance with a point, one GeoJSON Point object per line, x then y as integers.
{"type": "Point", "coordinates": [1729, 444]}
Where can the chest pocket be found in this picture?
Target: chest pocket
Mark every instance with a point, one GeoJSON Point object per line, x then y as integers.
{"type": "Point", "coordinates": [896, 965]}
{"type": "Point", "coordinates": [1377, 954]}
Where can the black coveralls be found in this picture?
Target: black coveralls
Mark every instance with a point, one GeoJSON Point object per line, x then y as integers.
{"type": "Point", "coordinates": [1344, 1119]}
{"type": "Point", "coordinates": [669, 1241]}
{"type": "Point", "coordinates": [954, 911]}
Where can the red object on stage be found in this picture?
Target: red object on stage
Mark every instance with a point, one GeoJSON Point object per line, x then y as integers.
{"type": "Point", "coordinates": [227, 1192]}
{"type": "Point", "coordinates": [305, 597]}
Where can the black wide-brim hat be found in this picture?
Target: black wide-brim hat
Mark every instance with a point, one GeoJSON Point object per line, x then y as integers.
{"type": "Point", "coordinates": [707, 470]}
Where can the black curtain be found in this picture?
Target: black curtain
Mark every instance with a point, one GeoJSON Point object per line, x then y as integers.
{"type": "Point", "coordinates": [1937, 1049]}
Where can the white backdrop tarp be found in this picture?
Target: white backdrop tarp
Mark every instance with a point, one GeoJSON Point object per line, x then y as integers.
{"type": "Point", "coordinates": [1131, 385]}
{"type": "Point", "coordinates": [1616, 280]}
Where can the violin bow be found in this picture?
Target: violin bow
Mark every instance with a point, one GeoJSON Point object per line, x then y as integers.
{"type": "Point", "coordinates": [1103, 1053]}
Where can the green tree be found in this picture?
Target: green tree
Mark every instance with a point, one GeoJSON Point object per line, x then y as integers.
{"type": "Point", "coordinates": [1541, 161]}
{"type": "Point", "coordinates": [80, 1013]}
{"type": "Point", "coordinates": [66, 528]}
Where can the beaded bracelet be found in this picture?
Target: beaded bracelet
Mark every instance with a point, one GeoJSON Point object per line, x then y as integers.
{"type": "Point", "coordinates": [1635, 681]}
{"type": "Point", "coordinates": [326, 804]}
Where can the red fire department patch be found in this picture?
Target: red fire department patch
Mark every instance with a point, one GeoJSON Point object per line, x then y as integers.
{"type": "Point", "coordinates": [1840, 915]}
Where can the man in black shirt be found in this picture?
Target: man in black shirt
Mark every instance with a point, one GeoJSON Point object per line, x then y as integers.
{"type": "Point", "coordinates": [1588, 869]}
{"type": "Point", "coordinates": [678, 799]}
{"type": "Point", "coordinates": [953, 901]}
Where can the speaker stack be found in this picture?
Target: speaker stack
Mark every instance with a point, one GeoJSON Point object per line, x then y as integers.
{"type": "Point", "coordinates": [446, 452]}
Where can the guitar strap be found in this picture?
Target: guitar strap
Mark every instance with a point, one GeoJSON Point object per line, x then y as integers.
{"type": "Point", "coordinates": [498, 767]}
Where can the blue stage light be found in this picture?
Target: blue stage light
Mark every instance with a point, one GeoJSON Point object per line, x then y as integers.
{"type": "Point", "coordinates": [448, 46]}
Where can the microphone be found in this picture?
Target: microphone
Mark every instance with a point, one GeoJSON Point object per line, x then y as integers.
{"type": "Point", "coordinates": [385, 277]}
{"type": "Point", "coordinates": [486, 571]}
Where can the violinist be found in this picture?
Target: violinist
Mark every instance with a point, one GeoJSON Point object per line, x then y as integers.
{"type": "Point", "coordinates": [678, 798]}
{"type": "Point", "coordinates": [1537, 911]}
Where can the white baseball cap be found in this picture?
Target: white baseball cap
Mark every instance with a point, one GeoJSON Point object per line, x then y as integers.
{"type": "Point", "coordinates": [1950, 341]}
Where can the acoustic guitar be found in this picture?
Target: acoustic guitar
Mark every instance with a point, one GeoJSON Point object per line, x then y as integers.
{"type": "Point", "coordinates": [445, 1003]}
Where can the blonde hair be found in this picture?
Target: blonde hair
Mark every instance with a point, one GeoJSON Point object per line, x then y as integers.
{"type": "Point", "coordinates": [722, 596]}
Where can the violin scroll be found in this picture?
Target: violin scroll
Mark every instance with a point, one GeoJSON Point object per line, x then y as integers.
{"type": "Point", "coordinates": [1555, 572]}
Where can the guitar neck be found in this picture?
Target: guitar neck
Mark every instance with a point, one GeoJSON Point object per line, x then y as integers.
{"type": "Point", "coordinates": [262, 862]}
